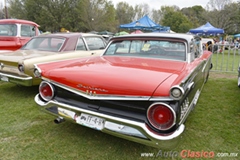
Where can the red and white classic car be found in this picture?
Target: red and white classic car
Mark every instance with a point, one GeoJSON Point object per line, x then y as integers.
{"type": "Point", "coordinates": [142, 88]}
{"type": "Point", "coordinates": [14, 33]}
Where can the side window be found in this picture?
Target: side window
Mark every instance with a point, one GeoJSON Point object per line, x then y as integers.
{"type": "Point", "coordinates": [27, 31]}
{"type": "Point", "coordinates": [8, 30]}
{"type": "Point", "coordinates": [95, 43]}
{"type": "Point", "coordinates": [80, 45]}
{"type": "Point", "coordinates": [196, 48]}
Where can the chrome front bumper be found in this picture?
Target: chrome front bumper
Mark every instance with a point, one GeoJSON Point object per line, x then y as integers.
{"type": "Point", "coordinates": [24, 81]}
{"type": "Point", "coordinates": [123, 128]}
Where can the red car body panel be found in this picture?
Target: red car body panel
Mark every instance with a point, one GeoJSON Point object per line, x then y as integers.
{"type": "Point", "coordinates": [134, 77]}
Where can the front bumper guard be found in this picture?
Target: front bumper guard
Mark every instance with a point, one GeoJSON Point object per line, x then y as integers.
{"type": "Point", "coordinates": [24, 81]}
{"type": "Point", "coordinates": [123, 128]}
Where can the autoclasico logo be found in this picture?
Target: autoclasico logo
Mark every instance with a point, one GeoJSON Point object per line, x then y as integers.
{"type": "Point", "coordinates": [189, 154]}
{"type": "Point", "coordinates": [186, 154]}
{"type": "Point", "coordinates": [196, 154]}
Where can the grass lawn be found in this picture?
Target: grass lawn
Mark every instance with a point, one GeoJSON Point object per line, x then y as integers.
{"type": "Point", "coordinates": [26, 133]}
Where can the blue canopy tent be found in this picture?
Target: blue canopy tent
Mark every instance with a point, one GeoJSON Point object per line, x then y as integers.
{"type": "Point", "coordinates": [144, 23]}
{"type": "Point", "coordinates": [207, 29]}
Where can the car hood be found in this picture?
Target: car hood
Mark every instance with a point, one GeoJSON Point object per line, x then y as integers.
{"type": "Point", "coordinates": [18, 55]}
{"type": "Point", "coordinates": [116, 76]}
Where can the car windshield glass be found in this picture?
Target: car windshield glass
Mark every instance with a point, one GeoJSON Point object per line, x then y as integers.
{"type": "Point", "coordinates": [44, 44]}
{"type": "Point", "coordinates": [164, 49]}
{"type": "Point", "coordinates": [8, 29]}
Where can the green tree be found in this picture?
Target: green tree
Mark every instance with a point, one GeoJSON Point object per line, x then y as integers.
{"type": "Point", "coordinates": [50, 14]}
{"type": "Point", "coordinates": [124, 12]}
{"type": "Point", "coordinates": [2, 11]}
{"type": "Point", "coordinates": [17, 9]}
{"type": "Point", "coordinates": [195, 14]}
{"type": "Point", "coordinates": [177, 21]}
{"type": "Point", "coordinates": [99, 15]}
{"type": "Point", "coordinates": [227, 18]}
{"type": "Point", "coordinates": [96, 15]}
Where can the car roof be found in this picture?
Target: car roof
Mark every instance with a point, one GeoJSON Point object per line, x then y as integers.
{"type": "Point", "coordinates": [20, 21]}
{"type": "Point", "coordinates": [207, 39]}
{"type": "Point", "coordinates": [68, 34]}
{"type": "Point", "coordinates": [187, 37]}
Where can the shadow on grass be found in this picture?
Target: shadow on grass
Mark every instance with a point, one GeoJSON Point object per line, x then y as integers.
{"type": "Point", "coordinates": [9, 88]}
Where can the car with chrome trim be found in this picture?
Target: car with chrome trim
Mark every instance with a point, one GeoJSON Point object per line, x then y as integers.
{"type": "Point", "coordinates": [141, 89]}
{"type": "Point", "coordinates": [238, 75]}
{"type": "Point", "coordinates": [17, 67]}
{"type": "Point", "coordinates": [14, 33]}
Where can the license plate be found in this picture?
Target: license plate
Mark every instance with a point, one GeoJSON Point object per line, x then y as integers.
{"type": "Point", "coordinates": [90, 121]}
{"type": "Point", "coordinates": [4, 79]}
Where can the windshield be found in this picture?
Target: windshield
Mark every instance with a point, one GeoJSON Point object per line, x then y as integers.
{"type": "Point", "coordinates": [164, 49]}
{"type": "Point", "coordinates": [8, 29]}
{"type": "Point", "coordinates": [44, 44]}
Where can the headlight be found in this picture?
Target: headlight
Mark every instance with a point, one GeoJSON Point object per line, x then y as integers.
{"type": "Point", "coordinates": [37, 73]}
{"type": "Point", "coordinates": [20, 67]}
{"type": "Point", "coordinates": [176, 92]}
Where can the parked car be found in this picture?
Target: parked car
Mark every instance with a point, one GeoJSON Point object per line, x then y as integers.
{"type": "Point", "coordinates": [209, 44]}
{"type": "Point", "coordinates": [142, 88]}
{"type": "Point", "coordinates": [14, 33]}
{"type": "Point", "coordinates": [239, 76]}
{"type": "Point", "coordinates": [17, 67]}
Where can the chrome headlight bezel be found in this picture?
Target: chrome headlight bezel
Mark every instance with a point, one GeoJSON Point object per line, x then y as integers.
{"type": "Point", "coordinates": [21, 67]}
{"type": "Point", "coordinates": [37, 73]}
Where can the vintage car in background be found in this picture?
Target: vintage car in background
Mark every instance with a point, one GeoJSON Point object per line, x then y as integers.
{"type": "Point", "coordinates": [14, 33]}
{"type": "Point", "coordinates": [239, 76]}
{"type": "Point", "coordinates": [17, 67]}
{"type": "Point", "coordinates": [142, 88]}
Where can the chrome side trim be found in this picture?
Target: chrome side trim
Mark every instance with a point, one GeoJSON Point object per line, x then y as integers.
{"type": "Point", "coordinates": [108, 96]}
{"type": "Point", "coordinates": [190, 85]}
{"type": "Point", "coordinates": [191, 106]}
{"type": "Point", "coordinates": [205, 65]}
